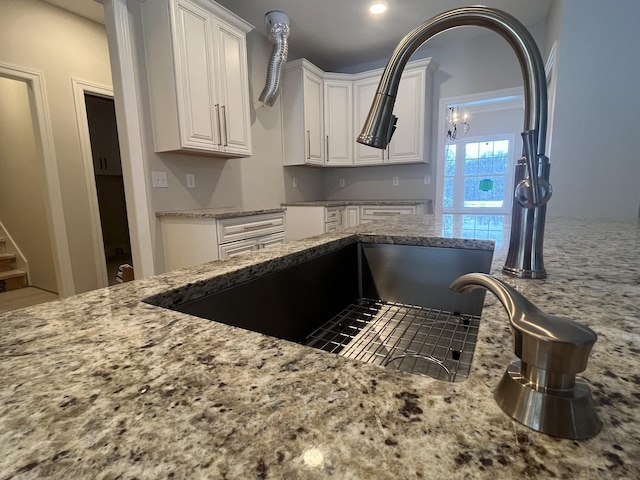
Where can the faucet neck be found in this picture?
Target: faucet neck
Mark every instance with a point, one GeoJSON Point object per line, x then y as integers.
{"type": "Point", "coordinates": [523, 44]}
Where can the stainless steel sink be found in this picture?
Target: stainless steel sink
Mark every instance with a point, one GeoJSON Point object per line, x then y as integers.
{"type": "Point", "coordinates": [387, 304]}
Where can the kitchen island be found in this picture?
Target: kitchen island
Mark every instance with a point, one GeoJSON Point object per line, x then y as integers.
{"type": "Point", "coordinates": [102, 385]}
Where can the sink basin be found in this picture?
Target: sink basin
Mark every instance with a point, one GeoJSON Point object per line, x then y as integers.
{"type": "Point", "coordinates": [387, 304]}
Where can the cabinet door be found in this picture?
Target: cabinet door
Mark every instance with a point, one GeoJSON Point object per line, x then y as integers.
{"type": "Point", "coordinates": [233, 89]}
{"type": "Point", "coordinates": [338, 123]}
{"type": "Point", "coordinates": [352, 216]}
{"type": "Point", "coordinates": [407, 143]}
{"type": "Point", "coordinates": [188, 241]}
{"type": "Point", "coordinates": [313, 119]}
{"type": "Point", "coordinates": [364, 92]}
{"type": "Point", "coordinates": [103, 132]}
{"type": "Point", "coordinates": [195, 77]}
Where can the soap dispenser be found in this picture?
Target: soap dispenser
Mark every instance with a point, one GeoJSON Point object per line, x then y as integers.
{"type": "Point", "coordinates": [541, 390]}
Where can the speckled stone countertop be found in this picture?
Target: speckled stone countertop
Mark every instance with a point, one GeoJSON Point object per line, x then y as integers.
{"type": "Point", "coordinates": [223, 212]}
{"type": "Point", "coordinates": [103, 386]}
{"type": "Point", "coordinates": [344, 203]}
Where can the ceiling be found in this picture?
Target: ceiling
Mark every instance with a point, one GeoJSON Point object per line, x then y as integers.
{"type": "Point", "coordinates": [336, 34]}
{"type": "Point", "coordinates": [90, 9]}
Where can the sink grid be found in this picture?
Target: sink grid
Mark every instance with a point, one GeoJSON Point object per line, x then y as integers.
{"type": "Point", "coordinates": [411, 338]}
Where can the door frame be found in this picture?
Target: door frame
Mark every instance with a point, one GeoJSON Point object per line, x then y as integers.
{"type": "Point", "coordinates": [44, 139]}
{"type": "Point", "coordinates": [442, 129]}
{"type": "Point", "coordinates": [121, 40]}
{"type": "Point", "coordinates": [80, 88]}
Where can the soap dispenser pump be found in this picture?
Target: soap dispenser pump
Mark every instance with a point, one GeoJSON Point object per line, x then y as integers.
{"type": "Point", "coordinates": [541, 390]}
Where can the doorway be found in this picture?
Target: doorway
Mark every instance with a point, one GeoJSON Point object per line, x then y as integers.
{"type": "Point", "coordinates": [103, 179]}
{"type": "Point", "coordinates": [41, 246]}
{"type": "Point", "coordinates": [475, 165]}
{"type": "Point", "coordinates": [474, 169]}
{"type": "Point", "coordinates": [109, 184]}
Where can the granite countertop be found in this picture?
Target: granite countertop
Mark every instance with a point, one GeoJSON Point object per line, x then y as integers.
{"type": "Point", "coordinates": [101, 385]}
{"type": "Point", "coordinates": [344, 203]}
{"type": "Point", "coordinates": [222, 212]}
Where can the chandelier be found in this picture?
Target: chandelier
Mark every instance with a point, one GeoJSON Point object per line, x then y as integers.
{"type": "Point", "coordinates": [458, 126]}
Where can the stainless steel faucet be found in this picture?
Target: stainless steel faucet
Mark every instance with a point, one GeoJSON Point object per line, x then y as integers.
{"type": "Point", "coordinates": [532, 188]}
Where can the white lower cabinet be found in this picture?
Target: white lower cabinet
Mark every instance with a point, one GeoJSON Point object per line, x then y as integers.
{"type": "Point", "coordinates": [308, 221]}
{"type": "Point", "coordinates": [190, 241]}
{"type": "Point", "coordinates": [304, 221]}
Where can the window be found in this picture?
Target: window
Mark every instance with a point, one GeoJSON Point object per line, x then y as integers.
{"type": "Point", "coordinates": [478, 175]}
{"type": "Point", "coordinates": [484, 227]}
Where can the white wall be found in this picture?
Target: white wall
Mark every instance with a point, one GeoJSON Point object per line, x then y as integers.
{"type": "Point", "coordinates": [595, 169]}
{"type": "Point", "coordinates": [22, 201]}
{"type": "Point", "coordinates": [38, 36]}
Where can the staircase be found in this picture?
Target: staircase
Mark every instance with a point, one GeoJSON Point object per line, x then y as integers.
{"type": "Point", "coordinates": [10, 277]}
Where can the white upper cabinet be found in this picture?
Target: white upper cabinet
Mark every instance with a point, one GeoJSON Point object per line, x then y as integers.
{"type": "Point", "coordinates": [345, 106]}
{"type": "Point", "coordinates": [412, 107]}
{"type": "Point", "coordinates": [197, 74]}
{"type": "Point", "coordinates": [233, 85]}
{"type": "Point", "coordinates": [338, 122]}
{"type": "Point", "coordinates": [364, 92]}
{"type": "Point", "coordinates": [303, 115]}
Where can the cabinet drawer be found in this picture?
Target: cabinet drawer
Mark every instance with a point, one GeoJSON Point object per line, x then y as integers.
{"type": "Point", "coordinates": [333, 214]}
{"type": "Point", "coordinates": [331, 227]}
{"type": "Point", "coordinates": [271, 240]}
{"type": "Point", "coordinates": [377, 212]}
{"type": "Point", "coordinates": [240, 228]}
{"type": "Point", "coordinates": [240, 247]}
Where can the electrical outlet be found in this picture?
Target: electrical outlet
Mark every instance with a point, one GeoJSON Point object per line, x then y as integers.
{"type": "Point", "coordinates": [342, 182]}
{"type": "Point", "coordinates": [427, 179]}
{"type": "Point", "coordinates": [159, 179]}
{"type": "Point", "coordinates": [191, 180]}
{"type": "Point", "coordinates": [295, 182]}
{"type": "Point", "coordinates": [396, 181]}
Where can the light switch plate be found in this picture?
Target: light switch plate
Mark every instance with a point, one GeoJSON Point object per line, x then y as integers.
{"type": "Point", "coordinates": [159, 179]}
{"type": "Point", "coordinates": [342, 182]}
{"type": "Point", "coordinates": [396, 181]}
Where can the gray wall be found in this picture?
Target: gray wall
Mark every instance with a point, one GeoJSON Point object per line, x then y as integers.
{"type": "Point", "coordinates": [595, 168]}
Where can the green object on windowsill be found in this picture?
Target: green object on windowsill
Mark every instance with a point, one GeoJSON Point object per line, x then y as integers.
{"type": "Point", "coordinates": [485, 185]}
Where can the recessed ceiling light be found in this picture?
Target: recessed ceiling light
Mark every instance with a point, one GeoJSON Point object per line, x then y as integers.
{"type": "Point", "coordinates": [378, 8]}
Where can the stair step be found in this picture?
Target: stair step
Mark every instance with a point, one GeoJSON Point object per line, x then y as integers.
{"type": "Point", "coordinates": [7, 261]}
{"type": "Point", "coordinates": [13, 280]}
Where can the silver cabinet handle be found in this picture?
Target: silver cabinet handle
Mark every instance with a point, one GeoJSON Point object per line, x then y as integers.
{"type": "Point", "coordinates": [224, 123]}
{"type": "Point", "coordinates": [327, 151]}
{"type": "Point", "coordinates": [254, 227]}
{"type": "Point", "coordinates": [219, 130]}
{"type": "Point", "coordinates": [308, 145]}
